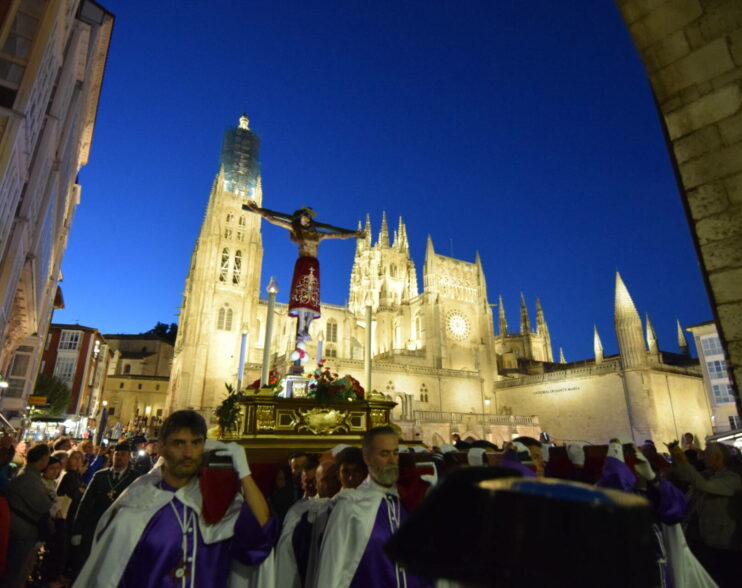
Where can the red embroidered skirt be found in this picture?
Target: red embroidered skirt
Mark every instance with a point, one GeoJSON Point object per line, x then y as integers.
{"type": "Point", "coordinates": [305, 287]}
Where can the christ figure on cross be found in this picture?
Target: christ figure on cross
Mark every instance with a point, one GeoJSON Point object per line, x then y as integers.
{"type": "Point", "coordinates": [306, 233]}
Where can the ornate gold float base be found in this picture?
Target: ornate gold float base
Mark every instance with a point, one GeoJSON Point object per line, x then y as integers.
{"type": "Point", "coordinates": [269, 422]}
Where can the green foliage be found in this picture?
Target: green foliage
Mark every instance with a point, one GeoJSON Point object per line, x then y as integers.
{"type": "Point", "coordinates": [164, 331]}
{"type": "Point", "coordinates": [228, 411]}
{"type": "Point", "coordinates": [57, 394]}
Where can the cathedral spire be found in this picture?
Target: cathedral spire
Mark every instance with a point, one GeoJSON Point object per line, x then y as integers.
{"type": "Point", "coordinates": [501, 316]}
{"type": "Point", "coordinates": [525, 322]}
{"type": "Point", "coordinates": [628, 327]}
{"type": "Point", "coordinates": [244, 122]}
{"type": "Point", "coordinates": [429, 250]}
{"type": "Point", "coordinates": [562, 359]}
{"type": "Point", "coordinates": [652, 343]}
{"type": "Point", "coordinates": [541, 327]}
{"type": "Point", "coordinates": [384, 233]}
{"type": "Point", "coordinates": [360, 242]}
{"type": "Point", "coordinates": [682, 342]}
{"type": "Point", "coordinates": [597, 346]}
{"type": "Point", "coordinates": [367, 230]}
{"type": "Point", "coordinates": [403, 235]}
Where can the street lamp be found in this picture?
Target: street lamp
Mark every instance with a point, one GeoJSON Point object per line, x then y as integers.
{"type": "Point", "coordinates": [3, 382]}
{"type": "Point", "coordinates": [272, 290]}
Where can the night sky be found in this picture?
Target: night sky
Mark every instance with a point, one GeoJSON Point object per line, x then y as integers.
{"type": "Point", "coordinates": [522, 130]}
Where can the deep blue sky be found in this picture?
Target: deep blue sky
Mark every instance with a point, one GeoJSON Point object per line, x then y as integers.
{"type": "Point", "coordinates": [524, 130]}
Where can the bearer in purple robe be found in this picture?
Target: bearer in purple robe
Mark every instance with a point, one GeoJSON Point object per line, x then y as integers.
{"type": "Point", "coordinates": [155, 534]}
{"type": "Point", "coordinates": [364, 520]}
{"type": "Point", "coordinates": [677, 566]}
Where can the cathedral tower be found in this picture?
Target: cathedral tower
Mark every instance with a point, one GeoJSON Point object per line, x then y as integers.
{"type": "Point", "coordinates": [222, 286]}
{"type": "Point", "coordinates": [384, 274]}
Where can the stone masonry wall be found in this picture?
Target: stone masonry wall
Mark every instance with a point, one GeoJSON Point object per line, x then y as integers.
{"type": "Point", "coordinates": [692, 52]}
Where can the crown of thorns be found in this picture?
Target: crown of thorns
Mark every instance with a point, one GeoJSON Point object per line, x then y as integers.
{"type": "Point", "coordinates": [306, 211]}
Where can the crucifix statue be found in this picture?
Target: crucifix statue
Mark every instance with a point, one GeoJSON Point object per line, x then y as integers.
{"type": "Point", "coordinates": [307, 234]}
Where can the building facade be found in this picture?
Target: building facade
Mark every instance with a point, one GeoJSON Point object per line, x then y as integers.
{"type": "Point", "coordinates": [51, 69]}
{"type": "Point", "coordinates": [716, 377]}
{"type": "Point", "coordinates": [79, 356]}
{"type": "Point", "coordinates": [435, 352]}
{"type": "Point", "coordinates": [138, 376]}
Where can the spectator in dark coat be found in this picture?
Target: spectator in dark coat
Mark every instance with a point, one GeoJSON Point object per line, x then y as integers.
{"type": "Point", "coordinates": [29, 504]}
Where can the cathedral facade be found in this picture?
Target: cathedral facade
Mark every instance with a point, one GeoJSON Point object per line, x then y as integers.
{"type": "Point", "coordinates": [435, 352]}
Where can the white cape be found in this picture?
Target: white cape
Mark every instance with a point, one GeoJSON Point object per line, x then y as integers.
{"type": "Point", "coordinates": [348, 530]}
{"type": "Point", "coordinates": [121, 526]}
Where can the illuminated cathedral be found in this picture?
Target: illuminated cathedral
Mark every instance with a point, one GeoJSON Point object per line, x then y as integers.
{"type": "Point", "coordinates": [436, 352]}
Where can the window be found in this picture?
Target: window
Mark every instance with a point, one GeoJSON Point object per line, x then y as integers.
{"type": "Point", "coordinates": [224, 267]}
{"type": "Point", "coordinates": [717, 369]}
{"type": "Point", "coordinates": [230, 217]}
{"type": "Point", "coordinates": [331, 352]}
{"type": "Point", "coordinates": [240, 236]}
{"type": "Point", "coordinates": [111, 411]}
{"type": "Point", "coordinates": [157, 387]}
{"type": "Point", "coordinates": [332, 331]}
{"type": "Point", "coordinates": [121, 385]}
{"type": "Point", "coordinates": [64, 369]}
{"type": "Point", "coordinates": [237, 267]}
{"type": "Point", "coordinates": [224, 318]}
{"type": "Point", "coordinates": [722, 393]}
{"type": "Point", "coordinates": [17, 48]}
{"type": "Point", "coordinates": [69, 341]}
{"type": "Point", "coordinates": [242, 221]}
{"type": "Point", "coordinates": [127, 368]}
{"type": "Point", "coordinates": [139, 387]}
{"type": "Point", "coordinates": [711, 345]}
{"type": "Point", "coordinates": [393, 270]}
{"type": "Point", "coordinates": [734, 421]}
{"type": "Point", "coordinates": [423, 393]}
{"type": "Point", "coordinates": [227, 233]}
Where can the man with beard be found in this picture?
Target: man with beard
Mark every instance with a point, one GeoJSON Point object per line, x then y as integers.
{"type": "Point", "coordinates": [155, 533]}
{"type": "Point", "coordinates": [363, 521]}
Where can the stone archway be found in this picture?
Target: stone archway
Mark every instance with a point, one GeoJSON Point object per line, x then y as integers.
{"type": "Point", "coordinates": [692, 54]}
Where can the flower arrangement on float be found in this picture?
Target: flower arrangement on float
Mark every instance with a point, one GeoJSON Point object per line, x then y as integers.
{"type": "Point", "coordinates": [275, 382]}
{"type": "Point", "coordinates": [326, 386]}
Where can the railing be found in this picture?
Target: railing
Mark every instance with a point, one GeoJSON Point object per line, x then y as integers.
{"type": "Point", "coordinates": [437, 416]}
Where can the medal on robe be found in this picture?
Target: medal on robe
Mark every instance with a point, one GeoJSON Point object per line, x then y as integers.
{"type": "Point", "coordinates": [179, 572]}
{"type": "Point", "coordinates": [111, 494]}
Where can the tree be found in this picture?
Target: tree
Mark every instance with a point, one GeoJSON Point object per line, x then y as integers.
{"type": "Point", "coordinates": [56, 392]}
{"type": "Point", "coordinates": [164, 331]}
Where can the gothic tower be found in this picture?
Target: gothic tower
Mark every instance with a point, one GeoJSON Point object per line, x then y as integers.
{"type": "Point", "coordinates": [525, 344]}
{"type": "Point", "coordinates": [384, 273]}
{"type": "Point", "coordinates": [458, 317]}
{"type": "Point", "coordinates": [221, 292]}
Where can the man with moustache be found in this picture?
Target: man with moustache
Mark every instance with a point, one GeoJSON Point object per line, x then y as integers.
{"type": "Point", "coordinates": [154, 535]}
{"type": "Point", "coordinates": [363, 520]}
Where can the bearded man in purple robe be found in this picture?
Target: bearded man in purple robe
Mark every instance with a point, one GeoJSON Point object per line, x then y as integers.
{"type": "Point", "coordinates": [155, 535]}
{"type": "Point", "coordinates": [363, 520]}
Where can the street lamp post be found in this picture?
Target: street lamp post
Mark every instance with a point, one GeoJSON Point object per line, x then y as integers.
{"type": "Point", "coordinates": [272, 290]}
